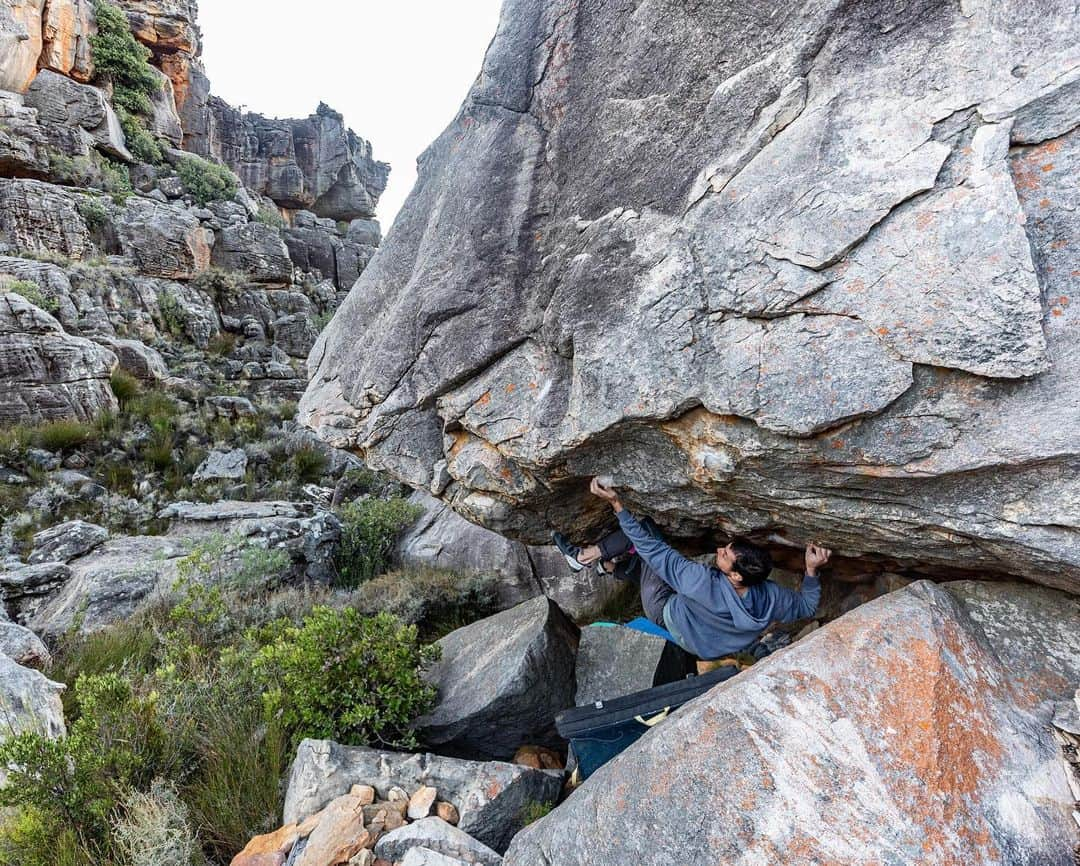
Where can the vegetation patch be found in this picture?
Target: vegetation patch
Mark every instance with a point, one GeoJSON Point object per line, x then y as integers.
{"type": "Point", "coordinates": [31, 291]}
{"type": "Point", "coordinates": [120, 57]}
{"type": "Point", "coordinates": [206, 181]}
{"type": "Point", "coordinates": [369, 531]}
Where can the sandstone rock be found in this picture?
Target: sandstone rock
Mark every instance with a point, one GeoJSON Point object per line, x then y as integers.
{"type": "Point", "coordinates": [23, 142]}
{"type": "Point", "coordinates": [222, 466]}
{"type": "Point", "coordinates": [47, 373]}
{"type": "Point", "coordinates": [25, 588]}
{"type": "Point", "coordinates": [435, 835]}
{"type": "Point", "coordinates": [901, 699]}
{"type": "Point", "coordinates": [441, 538]}
{"type": "Point", "coordinates": [164, 241]}
{"type": "Point", "coordinates": [421, 803]}
{"type": "Point", "coordinates": [20, 43]}
{"type": "Point", "coordinates": [794, 247]}
{"type": "Point", "coordinates": [501, 681]}
{"type": "Point", "coordinates": [316, 247]}
{"type": "Point", "coordinates": [65, 32]}
{"type": "Point", "coordinates": [109, 584]}
{"type": "Point", "coordinates": [60, 101]}
{"type": "Point", "coordinates": [23, 646]}
{"type": "Point", "coordinates": [30, 702]}
{"type": "Point", "coordinates": [339, 834]}
{"type": "Point", "coordinates": [490, 797]}
{"type": "Point", "coordinates": [234, 408]}
{"type": "Point", "coordinates": [42, 218]}
{"type": "Point", "coordinates": [255, 249]}
{"type": "Point", "coordinates": [137, 358]}
{"type": "Point", "coordinates": [1034, 631]}
{"type": "Point", "coordinates": [164, 26]}
{"type": "Point", "coordinates": [614, 661]}
{"type": "Point", "coordinates": [165, 123]}
{"type": "Point", "coordinates": [66, 541]}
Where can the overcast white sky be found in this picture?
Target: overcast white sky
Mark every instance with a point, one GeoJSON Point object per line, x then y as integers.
{"type": "Point", "coordinates": [396, 69]}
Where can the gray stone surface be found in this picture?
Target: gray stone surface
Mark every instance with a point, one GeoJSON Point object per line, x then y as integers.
{"type": "Point", "coordinates": [435, 835]}
{"type": "Point", "coordinates": [255, 249]}
{"type": "Point", "coordinates": [23, 143]}
{"type": "Point", "coordinates": [901, 699]}
{"type": "Point", "coordinates": [47, 373]}
{"type": "Point", "coordinates": [135, 357]}
{"type": "Point", "coordinates": [501, 681]}
{"type": "Point", "coordinates": [613, 661]}
{"type": "Point", "coordinates": [66, 541]}
{"type": "Point", "coordinates": [164, 241]}
{"type": "Point", "coordinates": [42, 218]}
{"type": "Point", "coordinates": [490, 796]}
{"type": "Point", "coordinates": [1035, 632]}
{"type": "Point", "coordinates": [27, 587]}
{"type": "Point", "coordinates": [221, 465]}
{"type": "Point", "coordinates": [28, 702]}
{"type": "Point", "coordinates": [62, 102]}
{"type": "Point", "coordinates": [427, 857]}
{"type": "Point", "coordinates": [795, 269]}
{"type": "Point", "coordinates": [22, 646]}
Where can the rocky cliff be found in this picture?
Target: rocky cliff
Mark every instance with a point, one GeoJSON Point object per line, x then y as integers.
{"type": "Point", "coordinates": [805, 273]}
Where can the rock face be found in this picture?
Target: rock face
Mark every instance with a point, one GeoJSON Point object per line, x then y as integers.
{"type": "Point", "coordinates": [434, 834]}
{"type": "Point", "coordinates": [730, 261]}
{"type": "Point", "coordinates": [48, 374]}
{"type": "Point", "coordinates": [30, 702]}
{"type": "Point", "coordinates": [501, 681]}
{"type": "Point", "coordinates": [490, 797]}
{"type": "Point", "coordinates": [613, 661]}
{"type": "Point", "coordinates": [901, 700]}
{"type": "Point", "coordinates": [62, 102]}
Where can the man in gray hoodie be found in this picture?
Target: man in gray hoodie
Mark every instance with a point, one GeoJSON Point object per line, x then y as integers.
{"type": "Point", "coordinates": [710, 610]}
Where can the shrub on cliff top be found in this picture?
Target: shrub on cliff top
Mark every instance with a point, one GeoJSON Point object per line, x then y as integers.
{"type": "Point", "coordinates": [206, 181]}
{"type": "Point", "coordinates": [119, 56]}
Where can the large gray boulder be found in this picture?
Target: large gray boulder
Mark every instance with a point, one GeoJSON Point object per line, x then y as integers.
{"type": "Point", "coordinates": [256, 250]}
{"type": "Point", "coordinates": [614, 660]}
{"type": "Point", "coordinates": [43, 218]}
{"type": "Point", "coordinates": [29, 702]}
{"type": "Point", "coordinates": [491, 797]}
{"type": "Point", "coordinates": [501, 681]}
{"type": "Point", "coordinates": [163, 240]}
{"type": "Point", "coordinates": [24, 145]}
{"type": "Point", "coordinates": [62, 102]}
{"type": "Point", "coordinates": [26, 588]}
{"type": "Point", "coordinates": [47, 373]}
{"type": "Point", "coordinates": [66, 541]}
{"type": "Point", "coordinates": [22, 646]}
{"type": "Point", "coordinates": [901, 700]}
{"type": "Point", "coordinates": [770, 268]}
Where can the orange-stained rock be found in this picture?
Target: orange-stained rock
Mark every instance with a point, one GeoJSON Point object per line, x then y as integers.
{"type": "Point", "coordinates": [280, 841]}
{"type": "Point", "coordinates": [891, 735]}
{"type": "Point", "coordinates": [65, 34]}
{"type": "Point", "coordinates": [273, 859]}
{"type": "Point", "coordinates": [20, 43]}
{"type": "Point", "coordinates": [539, 758]}
{"type": "Point", "coordinates": [340, 834]}
{"type": "Point", "coordinates": [447, 812]}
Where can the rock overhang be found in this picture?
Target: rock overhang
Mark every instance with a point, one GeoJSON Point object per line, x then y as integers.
{"type": "Point", "coordinates": [824, 311]}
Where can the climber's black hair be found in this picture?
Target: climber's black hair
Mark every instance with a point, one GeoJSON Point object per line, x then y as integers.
{"type": "Point", "coordinates": [753, 563]}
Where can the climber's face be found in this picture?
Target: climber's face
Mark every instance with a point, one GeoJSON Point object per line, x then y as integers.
{"type": "Point", "coordinates": [725, 559]}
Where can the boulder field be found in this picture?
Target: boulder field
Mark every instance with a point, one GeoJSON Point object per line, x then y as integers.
{"type": "Point", "coordinates": [803, 272]}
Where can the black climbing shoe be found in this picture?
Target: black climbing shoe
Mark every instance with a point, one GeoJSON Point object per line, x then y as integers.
{"type": "Point", "coordinates": [568, 549]}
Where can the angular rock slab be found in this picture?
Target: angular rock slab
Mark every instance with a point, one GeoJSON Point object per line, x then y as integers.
{"type": "Point", "coordinates": [501, 681]}
{"type": "Point", "coordinates": [901, 701]}
{"type": "Point", "coordinates": [22, 646]}
{"type": "Point", "coordinates": [66, 541]}
{"type": "Point", "coordinates": [490, 796]}
{"type": "Point", "coordinates": [435, 835]}
{"type": "Point", "coordinates": [613, 661]}
{"type": "Point", "coordinates": [842, 243]}
{"type": "Point", "coordinates": [29, 702]}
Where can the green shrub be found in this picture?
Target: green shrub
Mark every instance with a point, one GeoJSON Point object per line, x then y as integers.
{"type": "Point", "coordinates": [345, 677]}
{"type": "Point", "coordinates": [116, 180]}
{"type": "Point", "coordinates": [269, 215]}
{"type": "Point", "coordinates": [94, 213]}
{"type": "Point", "coordinates": [369, 531]}
{"type": "Point", "coordinates": [533, 811]}
{"type": "Point", "coordinates": [142, 144]}
{"type": "Point", "coordinates": [158, 449]}
{"type": "Point", "coordinates": [119, 56]}
{"type": "Point", "coordinates": [155, 408]}
{"type": "Point", "coordinates": [221, 344]}
{"type": "Point", "coordinates": [321, 320]}
{"type": "Point", "coordinates": [435, 600]}
{"type": "Point", "coordinates": [308, 463]}
{"type": "Point", "coordinates": [64, 435]}
{"type": "Point", "coordinates": [32, 293]}
{"type": "Point", "coordinates": [206, 181]}
{"type": "Point", "coordinates": [173, 317]}
{"type": "Point", "coordinates": [125, 386]}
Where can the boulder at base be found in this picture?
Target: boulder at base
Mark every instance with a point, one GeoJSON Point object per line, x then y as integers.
{"type": "Point", "coordinates": [490, 796]}
{"type": "Point", "coordinates": [892, 735]}
{"type": "Point", "coordinates": [614, 660]}
{"type": "Point", "coordinates": [29, 701]}
{"type": "Point", "coordinates": [436, 835]}
{"type": "Point", "coordinates": [501, 681]}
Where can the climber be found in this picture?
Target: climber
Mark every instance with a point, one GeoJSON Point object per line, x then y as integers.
{"type": "Point", "coordinates": [710, 610]}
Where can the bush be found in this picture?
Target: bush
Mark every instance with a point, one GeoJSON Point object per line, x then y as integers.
{"type": "Point", "coordinates": [154, 829]}
{"type": "Point", "coordinates": [369, 531]}
{"type": "Point", "coordinates": [63, 435]}
{"type": "Point", "coordinates": [269, 215]}
{"type": "Point", "coordinates": [158, 450]}
{"type": "Point", "coordinates": [116, 180]}
{"type": "Point", "coordinates": [206, 181]}
{"type": "Point", "coordinates": [309, 464]}
{"type": "Point", "coordinates": [119, 56]}
{"type": "Point", "coordinates": [345, 677]}
{"type": "Point", "coordinates": [173, 317]}
{"type": "Point", "coordinates": [32, 293]}
{"type": "Point", "coordinates": [93, 212]}
{"type": "Point", "coordinates": [435, 600]}
{"type": "Point", "coordinates": [125, 386]}
{"type": "Point", "coordinates": [142, 144]}
{"type": "Point", "coordinates": [221, 344]}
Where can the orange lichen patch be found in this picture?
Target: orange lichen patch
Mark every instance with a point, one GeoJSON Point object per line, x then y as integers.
{"type": "Point", "coordinates": [882, 330]}
{"type": "Point", "coordinates": [1044, 202]}
{"type": "Point", "coordinates": [1047, 167]}
{"type": "Point", "coordinates": [1064, 299]}
{"type": "Point", "coordinates": [460, 438]}
{"type": "Point", "coordinates": [510, 388]}
{"type": "Point", "coordinates": [484, 399]}
{"type": "Point", "coordinates": [1059, 244]}
{"type": "Point", "coordinates": [1056, 311]}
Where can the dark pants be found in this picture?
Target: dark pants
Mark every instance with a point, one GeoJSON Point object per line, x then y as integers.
{"type": "Point", "coordinates": [616, 547]}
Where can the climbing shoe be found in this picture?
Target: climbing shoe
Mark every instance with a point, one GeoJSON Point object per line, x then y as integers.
{"type": "Point", "coordinates": [568, 549]}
